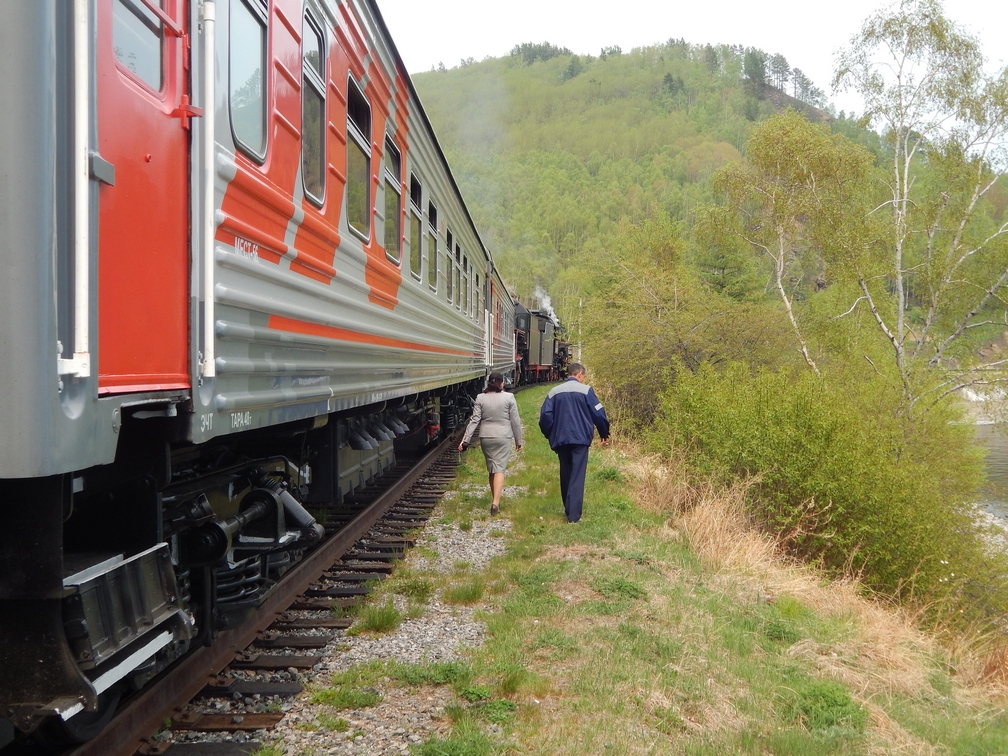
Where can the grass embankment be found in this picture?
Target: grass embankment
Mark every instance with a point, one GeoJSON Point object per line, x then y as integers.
{"type": "Point", "coordinates": [663, 624]}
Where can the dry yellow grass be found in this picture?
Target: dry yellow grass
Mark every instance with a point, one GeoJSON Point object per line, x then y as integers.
{"type": "Point", "coordinates": [886, 652]}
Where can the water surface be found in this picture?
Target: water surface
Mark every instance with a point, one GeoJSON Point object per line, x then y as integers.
{"type": "Point", "coordinates": [995, 493]}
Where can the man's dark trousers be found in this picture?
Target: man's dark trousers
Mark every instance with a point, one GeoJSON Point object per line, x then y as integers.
{"type": "Point", "coordinates": [573, 466]}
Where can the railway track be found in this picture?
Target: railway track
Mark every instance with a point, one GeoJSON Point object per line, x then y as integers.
{"type": "Point", "coordinates": [359, 551]}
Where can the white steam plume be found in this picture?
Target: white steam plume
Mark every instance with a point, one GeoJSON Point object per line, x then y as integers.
{"type": "Point", "coordinates": [545, 304]}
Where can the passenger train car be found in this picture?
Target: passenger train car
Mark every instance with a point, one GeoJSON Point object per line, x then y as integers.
{"type": "Point", "coordinates": [238, 279]}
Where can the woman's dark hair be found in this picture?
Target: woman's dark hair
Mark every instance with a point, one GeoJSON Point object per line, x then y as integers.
{"type": "Point", "coordinates": [495, 383]}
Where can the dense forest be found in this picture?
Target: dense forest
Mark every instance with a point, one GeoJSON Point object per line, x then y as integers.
{"type": "Point", "coordinates": [554, 150]}
{"type": "Point", "coordinates": [782, 294]}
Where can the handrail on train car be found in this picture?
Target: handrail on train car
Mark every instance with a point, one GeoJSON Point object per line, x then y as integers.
{"type": "Point", "coordinates": [80, 364]}
{"type": "Point", "coordinates": [208, 368]}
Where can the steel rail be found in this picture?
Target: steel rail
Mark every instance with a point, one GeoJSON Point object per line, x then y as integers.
{"type": "Point", "coordinates": [145, 713]}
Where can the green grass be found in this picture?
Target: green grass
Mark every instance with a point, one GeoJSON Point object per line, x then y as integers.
{"type": "Point", "coordinates": [377, 618]}
{"type": "Point", "coordinates": [336, 724]}
{"type": "Point", "coordinates": [613, 637]}
{"type": "Point", "coordinates": [346, 697]}
{"type": "Point", "coordinates": [417, 588]}
{"type": "Point", "coordinates": [468, 738]}
{"type": "Point", "coordinates": [618, 588]}
{"type": "Point", "coordinates": [466, 592]}
{"type": "Point", "coordinates": [455, 674]}
{"type": "Point", "coordinates": [824, 707]}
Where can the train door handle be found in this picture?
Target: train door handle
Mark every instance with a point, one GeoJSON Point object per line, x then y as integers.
{"type": "Point", "coordinates": [101, 169]}
{"type": "Point", "coordinates": [186, 110]}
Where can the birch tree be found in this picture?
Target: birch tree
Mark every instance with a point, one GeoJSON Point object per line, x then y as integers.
{"type": "Point", "coordinates": [794, 194]}
{"type": "Point", "coordinates": [945, 122]}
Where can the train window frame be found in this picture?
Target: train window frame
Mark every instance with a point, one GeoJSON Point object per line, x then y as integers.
{"type": "Point", "coordinates": [393, 237]}
{"type": "Point", "coordinates": [432, 248]}
{"type": "Point", "coordinates": [359, 139]}
{"type": "Point", "coordinates": [257, 12]}
{"type": "Point", "coordinates": [477, 297]}
{"type": "Point", "coordinates": [466, 301]}
{"type": "Point", "coordinates": [472, 289]}
{"type": "Point", "coordinates": [143, 18]}
{"type": "Point", "coordinates": [313, 88]}
{"type": "Point", "coordinates": [458, 277]}
{"type": "Point", "coordinates": [416, 228]}
{"type": "Point", "coordinates": [449, 270]}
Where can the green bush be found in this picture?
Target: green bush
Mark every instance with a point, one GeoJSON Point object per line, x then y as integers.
{"type": "Point", "coordinates": [842, 480]}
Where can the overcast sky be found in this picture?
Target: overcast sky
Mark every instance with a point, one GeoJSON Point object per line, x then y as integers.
{"type": "Point", "coordinates": [808, 34]}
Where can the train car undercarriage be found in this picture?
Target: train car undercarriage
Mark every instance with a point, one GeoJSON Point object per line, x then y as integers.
{"type": "Point", "coordinates": [115, 572]}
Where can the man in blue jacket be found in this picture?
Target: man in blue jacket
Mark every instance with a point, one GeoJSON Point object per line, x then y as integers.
{"type": "Point", "coordinates": [568, 418]}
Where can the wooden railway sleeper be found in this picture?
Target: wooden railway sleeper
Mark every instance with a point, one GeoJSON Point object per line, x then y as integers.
{"type": "Point", "coordinates": [325, 623]}
{"type": "Point", "coordinates": [228, 687]}
{"type": "Point", "coordinates": [253, 660]}
{"type": "Point", "coordinates": [273, 640]}
{"type": "Point", "coordinates": [225, 722]}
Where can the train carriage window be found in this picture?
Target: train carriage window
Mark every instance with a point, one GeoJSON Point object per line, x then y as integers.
{"type": "Point", "coordinates": [449, 275]}
{"type": "Point", "coordinates": [415, 192]}
{"type": "Point", "coordinates": [393, 202]}
{"type": "Point", "coordinates": [466, 303]}
{"type": "Point", "coordinates": [313, 132]}
{"type": "Point", "coordinates": [247, 84]}
{"type": "Point", "coordinates": [416, 227]}
{"type": "Point", "coordinates": [476, 296]}
{"type": "Point", "coordinates": [136, 40]}
{"type": "Point", "coordinates": [458, 276]}
{"type": "Point", "coordinates": [358, 161]}
{"type": "Point", "coordinates": [432, 250]}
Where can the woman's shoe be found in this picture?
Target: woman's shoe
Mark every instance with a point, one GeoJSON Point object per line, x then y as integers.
{"type": "Point", "coordinates": [494, 509]}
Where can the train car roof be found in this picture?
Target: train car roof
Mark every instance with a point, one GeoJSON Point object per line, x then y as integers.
{"type": "Point", "coordinates": [380, 20]}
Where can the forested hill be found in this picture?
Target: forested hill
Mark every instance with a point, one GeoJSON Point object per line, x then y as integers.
{"type": "Point", "coordinates": [552, 149]}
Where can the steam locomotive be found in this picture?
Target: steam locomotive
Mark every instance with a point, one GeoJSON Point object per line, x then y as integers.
{"type": "Point", "coordinates": [542, 352]}
{"type": "Point", "coordinates": [239, 279]}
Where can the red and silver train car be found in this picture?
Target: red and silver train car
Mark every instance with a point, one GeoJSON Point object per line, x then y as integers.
{"type": "Point", "coordinates": [238, 276]}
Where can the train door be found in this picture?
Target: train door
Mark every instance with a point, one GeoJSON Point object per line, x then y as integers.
{"type": "Point", "coordinates": [143, 209]}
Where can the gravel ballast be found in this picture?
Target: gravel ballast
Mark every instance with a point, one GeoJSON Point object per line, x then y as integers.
{"type": "Point", "coordinates": [405, 716]}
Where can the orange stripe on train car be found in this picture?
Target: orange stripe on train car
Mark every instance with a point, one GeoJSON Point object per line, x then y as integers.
{"type": "Point", "coordinates": [280, 323]}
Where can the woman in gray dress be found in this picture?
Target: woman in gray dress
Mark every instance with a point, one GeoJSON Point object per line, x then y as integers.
{"type": "Point", "coordinates": [495, 413]}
